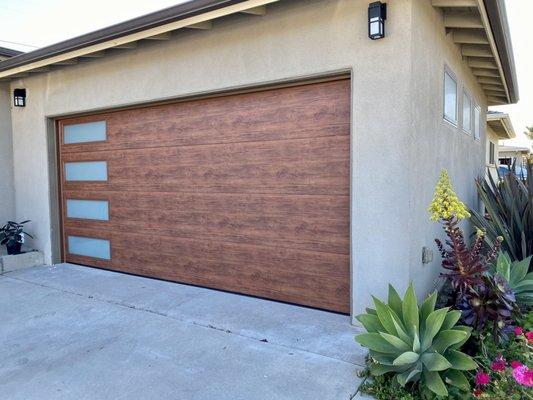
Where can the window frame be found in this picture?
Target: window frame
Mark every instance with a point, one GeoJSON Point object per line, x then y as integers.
{"type": "Point", "coordinates": [492, 153]}
{"type": "Point", "coordinates": [477, 132]}
{"type": "Point", "coordinates": [453, 76]}
{"type": "Point", "coordinates": [466, 93]}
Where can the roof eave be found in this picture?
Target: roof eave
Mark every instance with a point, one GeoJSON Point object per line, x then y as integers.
{"type": "Point", "coordinates": [497, 15]}
{"type": "Point", "coordinates": [119, 33]}
{"type": "Point", "coordinates": [505, 123]}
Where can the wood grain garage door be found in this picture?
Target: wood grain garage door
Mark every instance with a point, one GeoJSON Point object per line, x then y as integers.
{"type": "Point", "coordinates": [246, 193]}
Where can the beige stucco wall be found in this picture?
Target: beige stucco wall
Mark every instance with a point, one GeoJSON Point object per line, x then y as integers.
{"type": "Point", "coordinates": [396, 112]}
{"type": "Point", "coordinates": [7, 190]}
{"type": "Point", "coordinates": [434, 143]}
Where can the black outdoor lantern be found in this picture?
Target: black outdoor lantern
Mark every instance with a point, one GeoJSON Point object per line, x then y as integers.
{"type": "Point", "coordinates": [19, 97]}
{"type": "Point", "coordinates": [377, 14]}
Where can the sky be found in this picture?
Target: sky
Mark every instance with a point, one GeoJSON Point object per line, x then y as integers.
{"type": "Point", "coordinates": [28, 24]}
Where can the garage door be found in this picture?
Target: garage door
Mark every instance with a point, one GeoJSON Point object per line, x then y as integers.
{"type": "Point", "coordinates": [247, 192]}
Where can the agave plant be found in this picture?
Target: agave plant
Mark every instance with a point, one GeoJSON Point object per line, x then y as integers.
{"type": "Point", "coordinates": [515, 273]}
{"type": "Point", "coordinates": [508, 204]}
{"type": "Point", "coordinates": [416, 344]}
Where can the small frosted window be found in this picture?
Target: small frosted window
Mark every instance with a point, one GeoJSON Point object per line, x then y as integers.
{"type": "Point", "coordinates": [86, 171]}
{"type": "Point", "coordinates": [450, 98]}
{"type": "Point", "coordinates": [467, 113]}
{"type": "Point", "coordinates": [477, 123]}
{"type": "Point", "coordinates": [89, 247]}
{"type": "Point", "coordinates": [88, 209]}
{"type": "Point", "coordinates": [83, 133]}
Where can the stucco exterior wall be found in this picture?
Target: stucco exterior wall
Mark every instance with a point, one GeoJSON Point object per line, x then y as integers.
{"type": "Point", "coordinates": [436, 144]}
{"type": "Point", "coordinates": [396, 112]}
{"type": "Point", "coordinates": [7, 189]}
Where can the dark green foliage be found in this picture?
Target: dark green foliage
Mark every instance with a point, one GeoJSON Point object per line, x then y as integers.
{"type": "Point", "coordinates": [509, 212]}
{"type": "Point", "coordinates": [527, 321]}
{"type": "Point", "coordinates": [386, 388]}
{"type": "Point", "coordinates": [11, 233]}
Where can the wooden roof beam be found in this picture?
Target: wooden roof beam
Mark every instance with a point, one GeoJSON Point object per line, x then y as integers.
{"type": "Point", "coordinates": [481, 63]}
{"type": "Point", "coordinates": [161, 36]}
{"type": "Point", "coordinates": [201, 25]}
{"type": "Point", "coordinates": [471, 36]}
{"type": "Point", "coordinates": [126, 46]}
{"type": "Point", "coordinates": [260, 10]}
{"type": "Point", "coordinates": [495, 88]}
{"type": "Point", "coordinates": [454, 3]}
{"type": "Point", "coordinates": [476, 50]}
{"type": "Point", "coordinates": [496, 101]}
{"type": "Point", "coordinates": [489, 80]}
{"type": "Point", "coordinates": [485, 72]}
{"type": "Point", "coordinates": [454, 19]}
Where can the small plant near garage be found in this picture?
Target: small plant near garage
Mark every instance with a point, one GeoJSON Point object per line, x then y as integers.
{"type": "Point", "coordinates": [473, 339]}
{"type": "Point", "coordinates": [12, 236]}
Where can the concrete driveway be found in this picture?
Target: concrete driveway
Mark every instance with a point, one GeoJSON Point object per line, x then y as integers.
{"type": "Point", "coordinates": [71, 332]}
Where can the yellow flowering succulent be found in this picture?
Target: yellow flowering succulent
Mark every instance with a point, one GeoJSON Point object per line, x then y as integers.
{"type": "Point", "coordinates": [445, 202]}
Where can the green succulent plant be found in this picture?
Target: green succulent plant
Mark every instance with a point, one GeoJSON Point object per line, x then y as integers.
{"type": "Point", "coordinates": [417, 344]}
{"type": "Point", "coordinates": [515, 273]}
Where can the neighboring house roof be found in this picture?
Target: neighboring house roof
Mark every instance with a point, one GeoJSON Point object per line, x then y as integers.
{"type": "Point", "coordinates": [479, 27]}
{"type": "Point", "coordinates": [514, 149]}
{"type": "Point", "coordinates": [8, 53]}
{"type": "Point", "coordinates": [501, 125]}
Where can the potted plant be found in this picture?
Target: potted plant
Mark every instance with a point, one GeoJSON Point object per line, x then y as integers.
{"type": "Point", "coordinates": [11, 236]}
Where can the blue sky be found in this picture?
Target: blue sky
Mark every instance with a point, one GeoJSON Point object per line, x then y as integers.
{"type": "Point", "coordinates": [27, 24]}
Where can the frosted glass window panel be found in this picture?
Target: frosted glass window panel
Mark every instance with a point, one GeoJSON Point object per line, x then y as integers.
{"type": "Point", "coordinates": [89, 247]}
{"type": "Point", "coordinates": [467, 113]}
{"type": "Point", "coordinates": [86, 171]}
{"type": "Point", "coordinates": [477, 122]}
{"type": "Point", "coordinates": [450, 98]}
{"type": "Point", "coordinates": [84, 133]}
{"type": "Point", "coordinates": [88, 209]}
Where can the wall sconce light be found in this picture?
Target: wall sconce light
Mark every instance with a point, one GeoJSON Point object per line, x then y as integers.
{"type": "Point", "coordinates": [19, 97]}
{"type": "Point", "coordinates": [377, 14]}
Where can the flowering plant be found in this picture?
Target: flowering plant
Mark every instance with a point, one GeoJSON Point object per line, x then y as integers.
{"type": "Point", "coordinates": [506, 368]}
{"type": "Point", "coordinates": [481, 297]}
{"type": "Point", "coordinates": [504, 380]}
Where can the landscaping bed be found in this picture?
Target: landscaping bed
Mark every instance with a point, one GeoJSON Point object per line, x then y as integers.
{"type": "Point", "coordinates": [472, 339]}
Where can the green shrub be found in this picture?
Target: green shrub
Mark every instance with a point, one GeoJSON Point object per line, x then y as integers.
{"type": "Point", "coordinates": [508, 203]}
{"type": "Point", "coordinates": [384, 388]}
{"type": "Point", "coordinates": [417, 345]}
